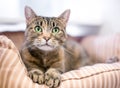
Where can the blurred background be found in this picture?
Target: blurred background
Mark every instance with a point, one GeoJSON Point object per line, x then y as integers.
{"type": "Point", "coordinates": [87, 16]}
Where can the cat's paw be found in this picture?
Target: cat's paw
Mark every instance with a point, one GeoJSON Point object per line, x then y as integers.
{"type": "Point", "coordinates": [112, 60]}
{"type": "Point", "coordinates": [52, 78]}
{"type": "Point", "coordinates": [37, 76]}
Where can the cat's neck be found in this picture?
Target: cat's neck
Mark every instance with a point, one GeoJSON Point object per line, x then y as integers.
{"type": "Point", "coordinates": [37, 52]}
{"type": "Point", "coordinates": [55, 51]}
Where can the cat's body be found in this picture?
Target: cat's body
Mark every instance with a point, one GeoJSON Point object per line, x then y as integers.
{"type": "Point", "coordinates": [68, 57]}
{"type": "Point", "coordinates": [46, 51]}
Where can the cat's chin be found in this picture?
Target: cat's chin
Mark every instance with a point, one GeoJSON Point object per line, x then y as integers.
{"type": "Point", "coordinates": [46, 48]}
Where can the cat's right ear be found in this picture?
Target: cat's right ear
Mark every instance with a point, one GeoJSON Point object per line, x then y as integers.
{"type": "Point", "coordinates": [65, 15]}
{"type": "Point", "coordinates": [29, 13]}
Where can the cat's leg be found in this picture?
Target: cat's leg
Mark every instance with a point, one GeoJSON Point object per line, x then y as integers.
{"type": "Point", "coordinates": [52, 78]}
{"type": "Point", "coordinates": [35, 72]}
{"type": "Point", "coordinates": [53, 74]}
{"type": "Point", "coordinates": [36, 75]}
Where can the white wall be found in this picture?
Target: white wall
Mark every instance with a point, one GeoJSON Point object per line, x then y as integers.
{"type": "Point", "coordinates": [111, 17]}
{"type": "Point", "coordinates": [9, 9]}
{"type": "Point", "coordinates": [87, 12]}
{"type": "Point", "coordinates": [82, 11]}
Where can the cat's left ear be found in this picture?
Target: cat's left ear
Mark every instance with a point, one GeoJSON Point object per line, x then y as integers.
{"type": "Point", "coordinates": [65, 15]}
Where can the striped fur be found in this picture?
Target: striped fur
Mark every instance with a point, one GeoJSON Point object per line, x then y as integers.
{"type": "Point", "coordinates": [48, 54]}
{"type": "Point", "coordinates": [13, 73]}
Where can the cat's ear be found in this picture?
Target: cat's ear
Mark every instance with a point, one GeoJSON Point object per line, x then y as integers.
{"type": "Point", "coordinates": [65, 15]}
{"type": "Point", "coordinates": [29, 13]}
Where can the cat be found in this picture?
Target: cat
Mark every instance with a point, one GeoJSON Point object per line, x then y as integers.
{"type": "Point", "coordinates": [47, 52]}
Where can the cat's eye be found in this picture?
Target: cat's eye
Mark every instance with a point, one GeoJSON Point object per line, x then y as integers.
{"type": "Point", "coordinates": [38, 29]}
{"type": "Point", "coordinates": [55, 30]}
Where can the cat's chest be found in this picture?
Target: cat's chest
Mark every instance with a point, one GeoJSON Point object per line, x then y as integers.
{"type": "Point", "coordinates": [49, 61]}
{"type": "Point", "coordinates": [45, 61]}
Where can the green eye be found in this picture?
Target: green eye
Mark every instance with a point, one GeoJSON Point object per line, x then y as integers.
{"type": "Point", "coordinates": [55, 30]}
{"type": "Point", "coordinates": [38, 29]}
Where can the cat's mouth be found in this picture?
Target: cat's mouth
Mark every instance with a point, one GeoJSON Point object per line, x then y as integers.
{"type": "Point", "coordinates": [46, 47]}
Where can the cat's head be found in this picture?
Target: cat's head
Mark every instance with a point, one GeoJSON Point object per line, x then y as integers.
{"type": "Point", "coordinates": [45, 33]}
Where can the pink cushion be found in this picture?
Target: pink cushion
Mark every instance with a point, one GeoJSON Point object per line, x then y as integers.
{"type": "Point", "coordinates": [13, 73]}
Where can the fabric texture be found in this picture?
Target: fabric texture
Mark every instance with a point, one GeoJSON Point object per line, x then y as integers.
{"type": "Point", "coordinates": [13, 73]}
{"type": "Point", "coordinates": [102, 47]}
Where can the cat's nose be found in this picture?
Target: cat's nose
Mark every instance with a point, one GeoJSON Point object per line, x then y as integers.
{"type": "Point", "coordinates": [46, 38]}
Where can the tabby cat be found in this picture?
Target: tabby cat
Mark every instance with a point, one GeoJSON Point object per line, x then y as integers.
{"type": "Point", "coordinates": [46, 52]}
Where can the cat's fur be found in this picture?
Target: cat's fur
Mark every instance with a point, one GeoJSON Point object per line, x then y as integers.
{"type": "Point", "coordinates": [47, 55]}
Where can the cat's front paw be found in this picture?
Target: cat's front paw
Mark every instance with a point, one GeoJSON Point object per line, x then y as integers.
{"type": "Point", "coordinates": [52, 78]}
{"type": "Point", "coordinates": [37, 76]}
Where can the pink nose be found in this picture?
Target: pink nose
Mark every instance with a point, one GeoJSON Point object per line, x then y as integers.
{"type": "Point", "coordinates": [46, 38]}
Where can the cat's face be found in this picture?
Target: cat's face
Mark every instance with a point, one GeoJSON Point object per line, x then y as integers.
{"type": "Point", "coordinates": [45, 33]}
